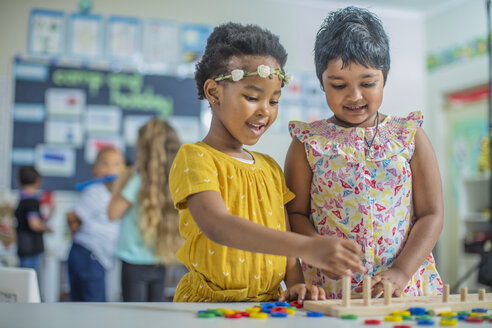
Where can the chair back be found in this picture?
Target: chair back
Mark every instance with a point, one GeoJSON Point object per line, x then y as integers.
{"type": "Point", "coordinates": [18, 285]}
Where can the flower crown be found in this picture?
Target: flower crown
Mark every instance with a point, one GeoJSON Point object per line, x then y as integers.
{"type": "Point", "coordinates": [262, 71]}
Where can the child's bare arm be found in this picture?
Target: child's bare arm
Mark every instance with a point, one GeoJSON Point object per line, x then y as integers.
{"type": "Point", "coordinates": [428, 205]}
{"type": "Point", "coordinates": [36, 224]}
{"type": "Point", "coordinates": [293, 272]}
{"type": "Point", "coordinates": [118, 205]}
{"type": "Point", "coordinates": [298, 176]}
{"type": "Point", "coordinates": [294, 280]}
{"type": "Point", "coordinates": [120, 182]}
{"type": "Point", "coordinates": [345, 254]}
{"type": "Point", "coordinates": [73, 222]}
{"type": "Point", "coordinates": [210, 214]}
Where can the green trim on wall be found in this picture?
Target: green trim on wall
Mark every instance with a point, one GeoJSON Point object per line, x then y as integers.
{"type": "Point", "coordinates": [474, 48]}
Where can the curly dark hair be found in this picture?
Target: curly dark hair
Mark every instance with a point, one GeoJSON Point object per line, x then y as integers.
{"type": "Point", "coordinates": [232, 39]}
{"type": "Point", "coordinates": [354, 35]}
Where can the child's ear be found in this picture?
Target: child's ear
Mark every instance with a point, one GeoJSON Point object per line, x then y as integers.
{"type": "Point", "coordinates": [211, 91]}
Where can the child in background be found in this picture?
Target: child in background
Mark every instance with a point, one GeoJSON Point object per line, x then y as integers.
{"type": "Point", "coordinates": [94, 235]}
{"type": "Point", "coordinates": [30, 224]}
{"type": "Point", "coordinates": [149, 234]}
{"type": "Point", "coordinates": [237, 241]}
{"type": "Point", "coordinates": [362, 175]}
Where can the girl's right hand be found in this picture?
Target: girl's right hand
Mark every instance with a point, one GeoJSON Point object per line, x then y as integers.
{"type": "Point", "coordinates": [337, 257]}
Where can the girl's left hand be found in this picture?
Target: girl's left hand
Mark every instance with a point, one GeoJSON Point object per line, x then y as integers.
{"type": "Point", "coordinates": [303, 291]}
{"type": "Point", "coordinates": [394, 275]}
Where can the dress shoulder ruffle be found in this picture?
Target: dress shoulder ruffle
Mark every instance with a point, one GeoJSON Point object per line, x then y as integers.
{"type": "Point", "coordinates": [395, 135]}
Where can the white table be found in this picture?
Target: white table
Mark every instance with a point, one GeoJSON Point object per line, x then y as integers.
{"type": "Point", "coordinates": [150, 315]}
{"type": "Point", "coordinates": [145, 315]}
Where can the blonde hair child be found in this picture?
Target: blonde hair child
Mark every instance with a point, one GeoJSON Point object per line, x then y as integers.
{"type": "Point", "coordinates": [149, 234]}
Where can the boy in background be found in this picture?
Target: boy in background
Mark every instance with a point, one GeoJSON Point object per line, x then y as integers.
{"type": "Point", "coordinates": [94, 235]}
{"type": "Point", "coordinates": [30, 224]}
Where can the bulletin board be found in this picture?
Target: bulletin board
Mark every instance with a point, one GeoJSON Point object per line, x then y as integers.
{"type": "Point", "coordinates": [63, 115]}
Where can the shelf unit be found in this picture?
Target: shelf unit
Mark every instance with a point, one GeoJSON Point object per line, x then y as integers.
{"type": "Point", "coordinates": [474, 221]}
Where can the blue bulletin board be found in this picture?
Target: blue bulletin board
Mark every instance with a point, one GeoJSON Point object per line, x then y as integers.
{"type": "Point", "coordinates": [62, 115]}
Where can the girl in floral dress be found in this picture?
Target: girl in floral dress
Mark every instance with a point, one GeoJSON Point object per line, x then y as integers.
{"type": "Point", "coordinates": [361, 175]}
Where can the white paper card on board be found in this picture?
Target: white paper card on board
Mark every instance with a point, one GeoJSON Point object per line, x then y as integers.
{"type": "Point", "coordinates": [46, 33]}
{"type": "Point", "coordinates": [65, 102]}
{"type": "Point", "coordinates": [131, 124]}
{"type": "Point", "coordinates": [23, 156]}
{"type": "Point", "coordinates": [104, 119]}
{"type": "Point", "coordinates": [23, 112]}
{"type": "Point", "coordinates": [187, 127]}
{"type": "Point", "coordinates": [85, 36]}
{"type": "Point", "coordinates": [55, 161]}
{"type": "Point", "coordinates": [31, 71]}
{"type": "Point", "coordinates": [63, 131]}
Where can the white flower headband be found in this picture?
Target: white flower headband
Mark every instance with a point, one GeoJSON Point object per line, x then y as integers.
{"type": "Point", "coordinates": [262, 71]}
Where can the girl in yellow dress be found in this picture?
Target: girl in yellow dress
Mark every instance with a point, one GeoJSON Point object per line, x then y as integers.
{"type": "Point", "coordinates": [238, 244]}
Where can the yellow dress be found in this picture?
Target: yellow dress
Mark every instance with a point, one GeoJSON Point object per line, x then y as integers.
{"type": "Point", "coordinates": [256, 192]}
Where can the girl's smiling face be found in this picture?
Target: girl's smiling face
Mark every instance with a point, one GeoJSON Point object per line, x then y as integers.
{"type": "Point", "coordinates": [245, 109]}
{"type": "Point", "coordinates": [354, 93]}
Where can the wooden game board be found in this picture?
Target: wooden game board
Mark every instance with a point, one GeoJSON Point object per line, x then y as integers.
{"type": "Point", "coordinates": [376, 307]}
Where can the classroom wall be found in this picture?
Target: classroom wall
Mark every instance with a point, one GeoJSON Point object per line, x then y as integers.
{"type": "Point", "coordinates": [454, 27]}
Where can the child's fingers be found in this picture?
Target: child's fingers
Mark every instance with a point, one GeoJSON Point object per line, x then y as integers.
{"type": "Point", "coordinates": [377, 289]}
{"type": "Point", "coordinates": [321, 293]}
{"type": "Point", "coordinates": [287, 295]}
{"type": "Point", "coordinates": [301, 293]}
{"type": "Point", "coordinates": [283, 296]}
{"type": "Point", "coordinates": [333, 273]}
{"type": "Point", "coordinates": [351, 246]}
{"type": "Point", "coordinates": [313, 291]}
{"type": "Point", "coordinates": [352, 262]}
{"type": "Point", "coordinates": [337, 273]}
{"type": "Point", "coordinates": [375, 280]}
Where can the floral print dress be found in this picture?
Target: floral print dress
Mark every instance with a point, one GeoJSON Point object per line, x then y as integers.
{"type": "Point", "coordinates": [364, 194]}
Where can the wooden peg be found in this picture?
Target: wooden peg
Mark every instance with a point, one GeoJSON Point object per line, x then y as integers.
{"type": "Point", "coordinates": [481, 294]}
{"type": "Point", "coordinates": [445, 293]}
{"type": "Point", "coordinates": [463, 294]}
{"type": "Point", "coordinates": [366, 290]}
{"type": "Point", "coordinates": [346, 291]}
{"type": "Point", "coordinates": [438, 311]}
{"type": "Point", "coordinates": [387, 292]}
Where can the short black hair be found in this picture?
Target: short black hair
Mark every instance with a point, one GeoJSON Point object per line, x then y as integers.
{"type": "Point", "coordinates": [28, 175]}
{"type": "Point", "coordinates": [354, 35]}
{"type": "Point", "coordinates": [233, 39]}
